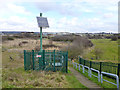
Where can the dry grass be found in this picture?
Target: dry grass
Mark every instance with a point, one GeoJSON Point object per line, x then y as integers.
{"type": "Point", "coordinates": [36, 79]}
{"type": "Point", "coordinates": [14, 44]}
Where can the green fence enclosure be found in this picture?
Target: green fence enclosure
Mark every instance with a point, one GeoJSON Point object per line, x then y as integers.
{"type": "Point", "coordinates": [48, 60]}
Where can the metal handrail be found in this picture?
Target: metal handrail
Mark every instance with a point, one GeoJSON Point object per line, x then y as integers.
{"type": "Point", "coordinates": [113, 75]}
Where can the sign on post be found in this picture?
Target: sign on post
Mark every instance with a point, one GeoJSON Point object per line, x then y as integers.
{"type": "Point", "coordinates": [42, 22]}
{"type": "Point", "coordinates": [38, 56]}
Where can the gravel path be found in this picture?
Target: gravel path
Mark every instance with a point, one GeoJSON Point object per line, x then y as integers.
{"type": "Point", "coordinates": [83, 80]}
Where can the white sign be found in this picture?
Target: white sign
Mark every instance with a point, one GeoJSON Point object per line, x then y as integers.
{"type": "Point", "coordinates": [38, 56]}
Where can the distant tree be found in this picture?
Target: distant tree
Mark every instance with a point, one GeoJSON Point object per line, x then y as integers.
{"type": "Point", "coordinates": [114, 38]}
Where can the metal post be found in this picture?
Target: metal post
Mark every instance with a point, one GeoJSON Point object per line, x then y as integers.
{"type": "Point", "coordinates": [84, 62]}
{"type": "Point", "coordinates": [43, 59]}
{"type": "Point", "coordinates": [76, 65]}
{"type": "Point", "coordinates": [41, 35]}
{"type": "Point", "coordinates": [80, 60]}
{"type": "Point", "coordinates": [118, 72]}
{"type": "Point", "coordinates": [67, 62]}
{"type": "Point", "coordinates": [83, 68]}
{"type": "Point", "coordinates": [90, 68]}
{"type": "Point", "coordinates": [101, 78]}
{"type": "Point", "coordinates": [79, 67]}
{"type": "Point", "coordinates": [90, 64]}
{"type": "Point", "coordinates": [54, 59]}
{"type": "Point", "coordinates": [33, 59]}
{"type": "Point", "coordinates": [24, 59]}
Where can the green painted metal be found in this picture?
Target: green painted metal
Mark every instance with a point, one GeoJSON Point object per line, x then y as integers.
{"type": "Point", "coordinates": [101, 66]}
{"type": "Point", "coordinates": [67, 62]}
{"type": "Point", "coordinates": [54, 59]}
{"type": "Point", "coordinates": [41, 35]}
{"type": "Point", "coordinates": [43, 59]}
{"type": "Point", "coordinates": [33, 59]}
{"type": "Point", "coordinates": [40, 38]}
{"type": "Point", "coordinates": [25, 59]}
{"type": "Point", "coordinates": [49, 60]}
{"type": "Point", "coordinates": [118, 72]}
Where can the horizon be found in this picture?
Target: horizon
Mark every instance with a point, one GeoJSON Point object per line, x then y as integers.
{"type": "Point", "coordinates": [57, 32]}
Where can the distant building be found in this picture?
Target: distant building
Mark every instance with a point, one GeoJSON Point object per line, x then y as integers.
{"type": "Point", "coordinates": [62, 33]}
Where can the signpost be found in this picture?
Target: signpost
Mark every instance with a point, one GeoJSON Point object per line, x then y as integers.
{"type": "Point", "coordinates": [42, 22]}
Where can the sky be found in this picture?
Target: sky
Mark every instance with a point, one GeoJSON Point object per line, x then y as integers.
{"type": "Point", "coordinates": [75, 16]}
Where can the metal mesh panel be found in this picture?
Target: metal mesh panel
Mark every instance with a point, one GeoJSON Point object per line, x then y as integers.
{"type": "Point", "coordinates": [109, 67]}
{"type": "Point", "coordinates": [48, 60]}
{"type": "Point", "coordinates": [95, 65]}
{"type": "Point", "coordinates": [101, 66]}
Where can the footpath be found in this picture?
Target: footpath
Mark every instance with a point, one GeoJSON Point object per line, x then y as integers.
{"type": "Point", "coordinates": [83, 80]}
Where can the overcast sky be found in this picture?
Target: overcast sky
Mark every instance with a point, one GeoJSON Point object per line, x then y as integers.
{"type": "Point", "coordinates": [63, 15]}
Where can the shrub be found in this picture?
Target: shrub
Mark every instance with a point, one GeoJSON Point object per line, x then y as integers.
{"type": "Point", "coordinates": [63, 38]}
{"type": "Point", "coordinates": [24, 42]}
{"type": "Point", "coordinates": [97, 52]}
{"type": "Point", "coordinates": [5, 38]}
{"type": "Point", "coordinates": [77, 47]}
{"type": "Point", "coordinates": [114, 38]}
{"type": "Point", "coordinates": [18, 36]}
{"type": "Point", "coordinates": [10, 38]}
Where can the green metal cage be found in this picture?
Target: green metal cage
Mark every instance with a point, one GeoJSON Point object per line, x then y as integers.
{"type": "Point", "coordinates": [48, 60]}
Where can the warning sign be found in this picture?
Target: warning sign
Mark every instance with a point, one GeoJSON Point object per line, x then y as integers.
{"type": "Point", "coordinates": [38, 56]}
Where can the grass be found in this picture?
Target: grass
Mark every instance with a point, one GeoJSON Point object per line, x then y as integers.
{"type": "Point", "coordinates": [73, 82]}
{"type": "Point", "coordinates": [18, 78]}
{"type": "Point", "coordinates": [108, 47]}
{"type": "Point", "coordinates": [95, 80]}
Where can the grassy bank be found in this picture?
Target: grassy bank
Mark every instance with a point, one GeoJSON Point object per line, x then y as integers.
{"type": "Point", "coordinates": [108, 48]}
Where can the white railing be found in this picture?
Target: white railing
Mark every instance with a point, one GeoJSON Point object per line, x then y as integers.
{"type": "Point", "coordinates": [86, 70]}
{"type": "Point", "coordinates": [113, 75]}
{"type": "Point", "coordinates": [92, 69]}
{"type": "Point", "coordinates": [79, 66]}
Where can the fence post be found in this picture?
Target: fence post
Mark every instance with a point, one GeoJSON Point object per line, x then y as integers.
{"type": "Point", "coordinates": [118, 72]}
{"type": "Point", "coordinates": [83, 66]}
{"type": "Point", "coordinates": [33, 59]}
{"type": "Point", "coordinates": [90, 68]}
{"type": "Point", "coordinates": [24, 59]}
{"type": "Point", "coordinates": [40, 64]}
{"type": "Point", "coordinates": [54, 59]}
{"type": "Point", "coordinates": [43, 59]}
{"type": "Point", "coordinates": [84, 62]}
{"type": "Point", "coordinates": [80, 60]}
{"type": "Point", "coordinates": [67, 62]}
{"type": "Point", "coordinates": [100, 67]}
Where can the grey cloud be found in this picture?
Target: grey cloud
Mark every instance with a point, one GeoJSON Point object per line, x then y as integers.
{"type": "Point", "coordinates": [57, 7]}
